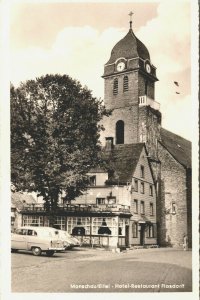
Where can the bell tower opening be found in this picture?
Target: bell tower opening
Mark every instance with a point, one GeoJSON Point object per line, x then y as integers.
{"type": "Point", "coordinates": [125, 84]}
{"type": "Point", "coordinates": [120, 132]}
{"type": "Point", "coordinates": [115, 86]}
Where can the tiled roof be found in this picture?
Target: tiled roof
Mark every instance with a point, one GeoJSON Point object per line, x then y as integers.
{"type": "Point", "coordinates": [122, 161]}
{"type": "Point", "coordinates": [129, 47]}
{"type": "Point", "coordinates": [179, 147]}
{"type": "Point", "coordinates": [19, 199]}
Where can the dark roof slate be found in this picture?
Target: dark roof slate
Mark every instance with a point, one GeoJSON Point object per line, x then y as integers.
{"type": "Point", "coordinates": [129, 47]}
{"type": "Point", "coordinates": [122, 161]}
{"type": "Point", "coordinates": [179, 147]}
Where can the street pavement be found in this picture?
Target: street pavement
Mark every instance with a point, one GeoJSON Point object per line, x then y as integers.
{"type": "Point", "coordinates": [95, 270]}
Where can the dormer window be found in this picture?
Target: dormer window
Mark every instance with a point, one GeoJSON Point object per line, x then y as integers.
{"type": "Point", "coordinates": [125, 84]}
{"type": "Point", "coordinates": [115, 86]}
{"type": "Point", "coordinates": [92, 180]}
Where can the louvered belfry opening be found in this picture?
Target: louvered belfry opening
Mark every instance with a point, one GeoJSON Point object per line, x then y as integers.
{"type": "Point", "coordinates": [120, 132]}
{"type": "Point", "coordinates": [115, 86]}
{"type": "Point", "coordinates": [125, 85]}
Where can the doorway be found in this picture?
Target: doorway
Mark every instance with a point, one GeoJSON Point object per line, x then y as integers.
{"type": "Point", "coordinates": [127, 235]}
{"type": "Point", "coordinates": [142, 232]}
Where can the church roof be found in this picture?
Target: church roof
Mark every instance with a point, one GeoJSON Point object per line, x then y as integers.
{"type": "Point", "coordinates": [129, 47]}
{"type": "Point", "coordinates": [122, 161]}
{"type": "Point", "coordinates": [179, 147]}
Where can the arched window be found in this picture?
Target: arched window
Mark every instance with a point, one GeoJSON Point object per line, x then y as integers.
{"type": "Point", "coordinates": [115, 86]}
{"type": "Point", "coordinates": [120, 132]}
{"type": "Point", "coordinates": [125, 86]}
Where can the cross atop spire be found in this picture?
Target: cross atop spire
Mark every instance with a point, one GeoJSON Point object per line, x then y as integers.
{"type": "Point", "coordinates": [130, 14]}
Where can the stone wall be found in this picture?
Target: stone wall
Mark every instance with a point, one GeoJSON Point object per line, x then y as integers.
{"type": "Point", "coordinates": [172, 207]}
{"type": "Point", "coordinates": [129, 116]}
{"type": "Point", "coordinates": [121, 99]}
{"type": "Point", "coordinates": [149, 128]}
{"type": "Point", "coordinates": [124, 106]}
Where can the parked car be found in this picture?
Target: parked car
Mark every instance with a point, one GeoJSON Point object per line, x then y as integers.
{"type": "Point", "coordinates": [68, 239]}
{"type": "Point", "coordinates": [37, 240]}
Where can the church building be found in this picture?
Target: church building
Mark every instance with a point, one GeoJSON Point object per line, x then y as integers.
{"type": "Point", "coordinates": [130, 78]}
{"type": "Point", "coordinates": [143, 196]}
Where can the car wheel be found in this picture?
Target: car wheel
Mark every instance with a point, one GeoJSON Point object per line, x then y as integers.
{"type": "Point", "coordinates": [14, 250]}
{"type": "Point", "coordinates": [50, 253]}
{"type": "Point", "coordinates": [36, 251]}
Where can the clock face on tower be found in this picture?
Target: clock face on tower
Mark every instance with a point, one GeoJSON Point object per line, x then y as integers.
{"type": "Point", "coordinates": [148, 68]}
{"type": "Point", "coordinates": [120, 66]}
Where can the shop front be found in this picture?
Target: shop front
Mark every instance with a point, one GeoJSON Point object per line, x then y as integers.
{"type": "Point", "coordinates": [109, 230]}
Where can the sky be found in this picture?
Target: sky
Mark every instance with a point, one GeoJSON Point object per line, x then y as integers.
{"type": "Point", "coordinates": [77, 39]}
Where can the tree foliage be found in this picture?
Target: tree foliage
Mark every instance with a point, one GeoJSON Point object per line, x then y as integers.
{"type": "Point", "coordinates": [54, 136]}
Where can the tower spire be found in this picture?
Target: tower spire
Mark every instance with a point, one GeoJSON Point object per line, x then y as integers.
{"type": "Point", "coordinates": [130, 14]}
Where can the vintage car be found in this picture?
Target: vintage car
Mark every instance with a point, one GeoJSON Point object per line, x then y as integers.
{"type": "Point", "coordinates": [69, 241]}
{"type": "Point", "coordinates": [37, 240]}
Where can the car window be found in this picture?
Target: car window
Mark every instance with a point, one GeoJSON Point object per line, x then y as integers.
{"type": "Point", "coordinates": [18, 231]}
{"type": "Point", "coordinates": [21, 231]}
{"type": "Point", "coordinates": [32, 232]}
{"type": "Point", "coordinates": [24, 231]}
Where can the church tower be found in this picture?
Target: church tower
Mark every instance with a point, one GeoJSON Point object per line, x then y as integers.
{"type": "Point", "coordinates": [129, 91]}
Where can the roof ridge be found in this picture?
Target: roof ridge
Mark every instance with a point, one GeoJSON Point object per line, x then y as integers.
{"type": "Point", "coordinates": [177, 146]}
{"type": "Point", "coordinates": [175, 134]}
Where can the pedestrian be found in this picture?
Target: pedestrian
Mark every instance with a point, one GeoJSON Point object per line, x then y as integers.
{"type": "Point", "coordinates": [185, 242]}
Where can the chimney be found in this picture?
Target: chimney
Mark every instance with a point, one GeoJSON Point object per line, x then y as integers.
{"type": "Point", "coordinates": [109, 143]}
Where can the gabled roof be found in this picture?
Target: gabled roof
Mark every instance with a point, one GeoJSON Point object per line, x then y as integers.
{"type": "Point", "coordinates": [178, 147]}
{"type": "Point", "coordinates": [122, 161]}
{"type": "Point", "coordinates": [19, 199]}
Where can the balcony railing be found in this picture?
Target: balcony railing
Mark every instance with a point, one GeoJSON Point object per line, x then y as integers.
{"type": "Point", "coordinates": [80, 207]}
{"type": "Point", "coordinates": [145, 101]}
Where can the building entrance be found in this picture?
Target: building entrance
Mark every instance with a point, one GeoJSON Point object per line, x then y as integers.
{"type": "Point", "coordinates": [142, 232]}
{"type": "Point", "coordinates": [127, 235]}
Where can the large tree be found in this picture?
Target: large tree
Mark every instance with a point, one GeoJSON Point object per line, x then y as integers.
{"type": "Point", "coordinates": [54, 137]}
